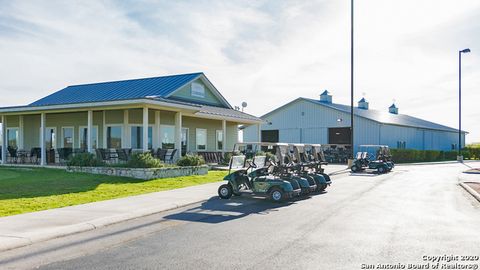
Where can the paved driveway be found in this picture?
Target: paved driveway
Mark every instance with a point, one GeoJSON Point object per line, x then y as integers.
{"type": "Point", "coordinates": [390, 219]}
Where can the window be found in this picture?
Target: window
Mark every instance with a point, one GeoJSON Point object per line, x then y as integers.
{"type": "Point", "coordinates": [401, 145]}
{"type": "Point", "coordinates": [114, 137]}
{"type": "Point", "coordinates": [12, 137]}
{"type": "Point", "coordinates": [167, 135]}
{"type": "Point", "coordinates": [198, 90]}
{"type": "Point", "coordinates": [137, 137]}
{"type": "Point", "coordinates": [219, 138]}
{"type": "Point", "coordinates": [83, 131]}
{"type": "Point", "coordinates": [67, 137]}
{"type": "Point", "coordinates": [201, 139]}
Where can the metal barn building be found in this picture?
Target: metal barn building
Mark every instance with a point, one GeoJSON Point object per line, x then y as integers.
{"type": "Point", "coordinates": [305, 120]}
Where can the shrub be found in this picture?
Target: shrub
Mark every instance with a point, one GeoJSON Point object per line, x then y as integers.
{"type": "Point", "coordinates": [191, 160]}
{"type": "Point", "coordinates": [144, 160]}
{"type": "Point", "coordinates": [270, 156]}
{"type": "Point", "coordinates": [411, 155]}
{"type": "Point", "coordinates": [84, 160]}
{"type": "Point", "coordinates": [226, 158]}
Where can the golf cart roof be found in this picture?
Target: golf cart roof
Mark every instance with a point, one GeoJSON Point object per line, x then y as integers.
{"type": "Point", "coordinates": [314, 145]}
{"type": "Point", "coordinates": [260, 143]}
{"type": "Point", "coordinates": [297, 144]}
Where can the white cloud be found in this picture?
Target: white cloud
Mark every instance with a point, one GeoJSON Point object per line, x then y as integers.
{"type": "Point", "coordinates": [263, 52]}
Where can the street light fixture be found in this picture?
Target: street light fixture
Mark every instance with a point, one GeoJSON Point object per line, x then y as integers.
{"type": "Point", "coordinates": [467, 50]}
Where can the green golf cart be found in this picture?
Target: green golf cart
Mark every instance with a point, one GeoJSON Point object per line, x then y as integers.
{"type": "Point", "coordinates": [255, 177]}
{"type": "Point", "coordinates": [370, 159]}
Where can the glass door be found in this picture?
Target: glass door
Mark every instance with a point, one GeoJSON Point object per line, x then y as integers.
{"type": "Point", "coordinates": [184, 141]}
{"type": "Point", "coordinates": [50, 138]}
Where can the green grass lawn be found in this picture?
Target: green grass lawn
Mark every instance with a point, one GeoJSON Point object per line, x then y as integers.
{"type": "Point", "coordinates": [25, 190]}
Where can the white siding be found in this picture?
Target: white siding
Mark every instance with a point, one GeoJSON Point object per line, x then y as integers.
{"type": "Point", "coordinates": [289, 135]}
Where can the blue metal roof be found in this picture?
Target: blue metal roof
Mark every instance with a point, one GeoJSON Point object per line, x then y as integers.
{"type": "Point", "coordinates": [118, 90]}
{"type": "Point", "coordinates": [386, 117]}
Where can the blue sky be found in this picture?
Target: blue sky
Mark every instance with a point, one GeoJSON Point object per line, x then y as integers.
{"type": "Point", "coordinates": [266, 53]}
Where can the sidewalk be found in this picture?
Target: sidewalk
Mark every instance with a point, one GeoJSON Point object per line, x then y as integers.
{"type": "Point", "coordinates": [25, 229]}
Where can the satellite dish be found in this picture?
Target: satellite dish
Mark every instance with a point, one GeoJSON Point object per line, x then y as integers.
{"type": "Point", "coordinates": [244, 105]}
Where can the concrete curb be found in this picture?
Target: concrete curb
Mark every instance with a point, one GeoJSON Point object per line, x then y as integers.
{"type": "Point", "coordinates": [470, 190]}
{"type": "Point", "coordinates": [14, 242]}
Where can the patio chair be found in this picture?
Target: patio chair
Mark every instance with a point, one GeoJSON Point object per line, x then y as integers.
{"type": "Point", "coordinates": [12, 151]}
{"type": "Point", "coordinates": [103, 154]}
{"type": "Point", "coordinates": [77, 151]}
{"type": "Point", "coordinates": [22, 156]}
{"type": "Point", "coordinates": [123, 155]}
{"type": "Point", "coordinates": [170, 155]}
{"type": "Point", "coordinates": [64, 154]}
{"type": "Point", "coordinates": [161, 153]}
{"type": "Point", "coordinates": [35, 155]}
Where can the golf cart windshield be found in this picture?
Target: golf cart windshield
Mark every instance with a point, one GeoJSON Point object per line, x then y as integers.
{"type": "Point", "coordinates": [259, 161]}
{"type": "Point", "coordinates": [237, 162]}
{"type": "Point", "coordinates": [282, 154]}
{"type": "Point", "coordinates": [299, 153]}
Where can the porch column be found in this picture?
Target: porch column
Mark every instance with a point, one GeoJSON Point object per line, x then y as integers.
{"type": "Point", "coordinates": [20, 132]}
{"type": "Point", "coordinates": [178, 133]}
{"type": "Point", "coordinates": [104, 131]}
{"type": "Point", "coordinates": [145, 129]}
{"type": "Point", "coordinates": [125, 133]}
{"type": "Point", "coordinates": [259, 133]}
{"type": "Point", "coordinates": [43, 158]}
{"type": "Point", "coordinates": [224, 138]}
{"type": "Point", "coordinates": [4, 139]}
{"type": "Point", "coordinates": [156, 131]}
{"type": "Point", "coordinates": [89, 131]}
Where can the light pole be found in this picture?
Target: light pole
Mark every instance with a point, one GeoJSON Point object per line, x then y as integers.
{"type": "Point", "coordinates": [467, 50]}
{"type": "Point", "coordinates": [351, 79]}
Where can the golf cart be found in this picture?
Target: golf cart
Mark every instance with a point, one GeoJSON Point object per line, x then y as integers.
{"type": "Point", "coordinates": [372, 158]}
{"type": "Point", "coordinates": [315, 154]}
{"type": "Point", "coordinates": [254, 177]}
{"type": "Point", "coordinates": [385, 155]}
{"type": "Point", "coordinates": [308, 168]}
{"type": "Point", "coordinates": [288, 168]}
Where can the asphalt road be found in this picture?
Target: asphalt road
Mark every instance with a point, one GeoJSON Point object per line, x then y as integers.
{"type": "Point", "coordinates": [392, 219]}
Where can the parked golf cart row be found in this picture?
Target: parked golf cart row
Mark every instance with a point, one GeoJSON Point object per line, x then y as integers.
{"type": "Point", "coordinates": [291, 170]}
{"type": "Point", "coordinates": [373, 158]}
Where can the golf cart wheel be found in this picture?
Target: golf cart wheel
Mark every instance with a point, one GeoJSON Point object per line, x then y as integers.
{"type": "Point", "coordinates": [225, 191]}
{"type": "Point", "coordinates": [381, 169]}
{"type": "Point", "coordinates": [276, 195]}
{"type": "Point", "coordinates": [354, 168]}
